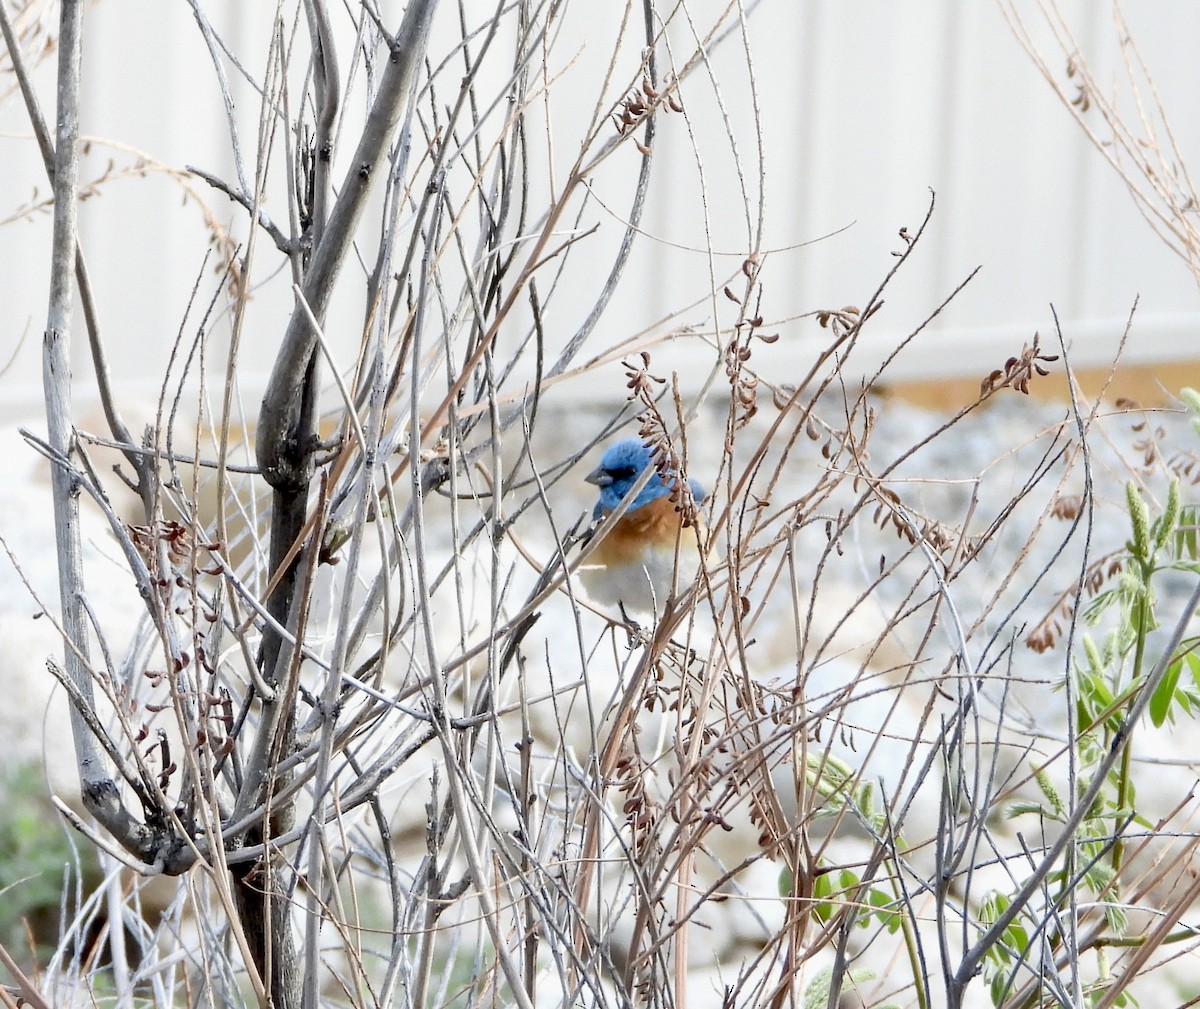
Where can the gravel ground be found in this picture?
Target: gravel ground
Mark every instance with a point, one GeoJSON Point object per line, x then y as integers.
{"type": "Point", "coordinates": [970, 470]}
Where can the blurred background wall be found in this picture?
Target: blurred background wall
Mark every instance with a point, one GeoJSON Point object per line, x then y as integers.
{"type": "Point", "coordinates": [866, 108]}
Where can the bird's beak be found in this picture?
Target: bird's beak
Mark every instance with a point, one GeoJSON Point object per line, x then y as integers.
{"type": "Point", "coordinates": [599, 478]}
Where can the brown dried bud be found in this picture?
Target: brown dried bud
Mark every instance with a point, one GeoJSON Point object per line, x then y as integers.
{"type": "Point", "coordinates": [1066, 507]}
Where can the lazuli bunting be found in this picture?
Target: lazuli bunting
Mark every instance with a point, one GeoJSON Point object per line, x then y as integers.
{"type": "Point", "coordinates": [649, 549]}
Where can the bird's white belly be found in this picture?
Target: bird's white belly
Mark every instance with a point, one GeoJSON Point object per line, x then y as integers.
{"type": "Point", "coordinates": [643, 585]}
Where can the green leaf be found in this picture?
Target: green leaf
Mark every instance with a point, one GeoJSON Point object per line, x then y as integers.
{"type": "Point", "coordinates": [1184, 540]}
{"type": "Point", "coordinates": [1016, 937]}
{"type": "Point", "coordinates": [1160, 701]}
{"type": "Point", "coordinates": [1118, 920]}
{"type": "Point", "coordinates": [822, 891]}
{"type": "Point", "coordinates": [885, 914]}
{"type": "Point", "coordinates": [1193, 661]}
{"type": "Point", "coordinates": [1094, 696]}
{"type": "Point", "coordinates": [1021, 808]}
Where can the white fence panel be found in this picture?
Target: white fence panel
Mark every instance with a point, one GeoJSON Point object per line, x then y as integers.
{"type": "Point", "coordinates": [866, 107]}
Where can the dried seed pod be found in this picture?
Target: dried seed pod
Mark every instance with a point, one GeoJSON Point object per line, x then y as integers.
{"type": "Point", "coordinates": [782, 395]}
{"type": "Point", "coordinates": [1066, 506]}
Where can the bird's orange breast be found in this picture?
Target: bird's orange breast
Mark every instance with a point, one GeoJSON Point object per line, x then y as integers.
{"type": "Point", "coordinates": [653, 526]}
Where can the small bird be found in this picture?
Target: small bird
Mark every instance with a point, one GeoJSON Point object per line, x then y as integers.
{"type": "Point", "coordinates": [649, 549]}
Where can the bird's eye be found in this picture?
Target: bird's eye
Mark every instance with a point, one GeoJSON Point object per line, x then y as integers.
{"type": "Point", "coordinates": [622, 473]}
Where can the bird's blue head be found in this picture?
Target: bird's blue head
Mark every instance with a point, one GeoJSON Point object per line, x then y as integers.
{"type": "Point", "coordinates": [620, 467]}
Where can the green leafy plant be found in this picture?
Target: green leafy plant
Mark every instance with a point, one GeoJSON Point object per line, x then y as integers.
{"type": "Point", "coordinates": [38, 865]}
{"type": "Point", "coordinates": [1108, 676]}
